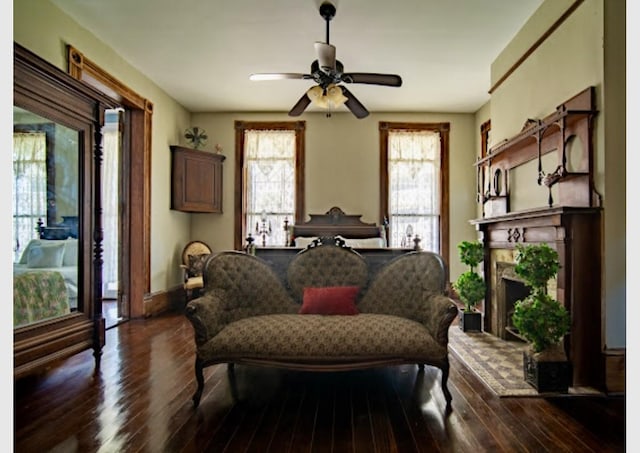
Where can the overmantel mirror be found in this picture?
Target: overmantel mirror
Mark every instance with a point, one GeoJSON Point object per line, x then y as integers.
{"type": "Point", "coordinates": [57, 230]}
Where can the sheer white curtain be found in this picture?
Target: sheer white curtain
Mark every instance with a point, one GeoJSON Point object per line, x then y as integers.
{"type": "Point", "coordinates": [270, 184]}
{"type": "Point", "coordinates": [414, 188]}
{"type": "Point", "coordinates": [29, 187]}
{"type": "Point", "coordinates": [110, 208]}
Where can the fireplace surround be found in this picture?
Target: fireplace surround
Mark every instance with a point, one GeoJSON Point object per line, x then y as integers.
{"type": "Point", "coordinates": [570, 224]}
{"type": "Point", "coordinates": [575, 234]}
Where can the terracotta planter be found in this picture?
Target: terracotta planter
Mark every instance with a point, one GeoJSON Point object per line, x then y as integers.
{"type": "Point", "coordinates": [546, 374]}
{"type": "Point", "coordinates": [470, 321]}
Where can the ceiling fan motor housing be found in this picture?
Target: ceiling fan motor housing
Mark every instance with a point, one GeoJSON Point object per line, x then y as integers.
{"type": "Point", "coordinates": [327, 11]}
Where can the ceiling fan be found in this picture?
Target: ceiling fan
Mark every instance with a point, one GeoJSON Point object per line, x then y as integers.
{"type": "Point", "coordinates": [329, 73]}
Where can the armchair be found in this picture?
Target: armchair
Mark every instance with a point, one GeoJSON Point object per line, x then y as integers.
{"type": "Point", "coordinates": [194, 256]}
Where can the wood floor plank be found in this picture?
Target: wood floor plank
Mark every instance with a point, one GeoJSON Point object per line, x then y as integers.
{"type": "Point", "coordinates": [140, 401]}
{"type": "Point", "coordinates": [342, 433]}
{"type": "Point", "coordinates": [518, 426]}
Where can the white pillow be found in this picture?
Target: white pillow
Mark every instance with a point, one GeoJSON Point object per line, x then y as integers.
{"type": "Point", "coordinates": [366, 243]}
{"type": "Point", "coordinates": [25, 253]}
{"type": "Point", "coordinates": [302, 242]}
{"type": "Point", "coordinates": [45, 255]}
{"type": "Point", "coordinates": [70, 252]}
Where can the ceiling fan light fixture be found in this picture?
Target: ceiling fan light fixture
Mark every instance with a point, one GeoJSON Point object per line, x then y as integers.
{"type": "Point", "coordinates": [330, 98]}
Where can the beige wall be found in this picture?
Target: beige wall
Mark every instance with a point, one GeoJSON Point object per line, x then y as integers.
{"type": "Point", "coordinates": [342, 169]}
{"type": "Point", "coordinates": [570, 60]}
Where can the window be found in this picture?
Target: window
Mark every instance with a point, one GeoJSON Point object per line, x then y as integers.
{"type": "Point", "coordinates": [269, 181]}
{"type": "Point", "coordinates": [414, 184]}
{"type": "Point", "coordinates": [29, 187]}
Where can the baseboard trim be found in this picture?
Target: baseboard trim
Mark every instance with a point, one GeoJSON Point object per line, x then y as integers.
{"type": "Point", "coordinates": [171, 299]}
{"type": "Point", "coordinates": [615, 365]}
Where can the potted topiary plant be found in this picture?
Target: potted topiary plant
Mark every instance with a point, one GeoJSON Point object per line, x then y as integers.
{"type": "Point", "coordinates": [470, 285]}
{"type": "Point", "coordinates": [541, 320]}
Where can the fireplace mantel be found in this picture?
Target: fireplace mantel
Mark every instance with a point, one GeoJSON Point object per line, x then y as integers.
{"type": "Point", "coordinates": [575, 233]}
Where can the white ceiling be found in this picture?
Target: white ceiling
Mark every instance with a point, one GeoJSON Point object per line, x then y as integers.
{"type": "Point", "coordinates": [202, 52]}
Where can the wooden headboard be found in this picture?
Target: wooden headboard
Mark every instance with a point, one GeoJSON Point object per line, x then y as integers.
{"type": "Point", "coordinates": [335, 222]}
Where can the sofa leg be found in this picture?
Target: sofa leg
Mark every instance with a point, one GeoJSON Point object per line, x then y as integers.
{"type": "Point", "coordinates": [445, 389]}
{"type": "Point", "coordinates": [231, 374]}
{"type": "Point", "coordinates": [200, 380]}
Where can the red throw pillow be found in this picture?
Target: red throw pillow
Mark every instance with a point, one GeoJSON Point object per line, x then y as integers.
{"type": "Point", "coordinates": [331, 300]}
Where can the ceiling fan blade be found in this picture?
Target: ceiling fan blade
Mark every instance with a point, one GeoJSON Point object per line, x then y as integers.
{"type": "Point", "coordinates": [391, 80]}
{"type": "Point", "coordinates": [326, 56]}
{"type": "Point", "coordinates": [354, 104]}
{"type": "Point", "coordinates": [279, 76]}
{"type": "Point", "coordinates": [302, 104]}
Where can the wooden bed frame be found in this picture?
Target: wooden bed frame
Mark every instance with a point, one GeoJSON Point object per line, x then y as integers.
{"type": "Point", "coordinates": [336, 223]}
{"type": "Point", "coordinates": [329, 225]}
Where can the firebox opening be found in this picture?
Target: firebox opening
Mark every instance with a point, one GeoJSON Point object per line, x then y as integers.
{"type": "Point", "coordinates": [514, 291]}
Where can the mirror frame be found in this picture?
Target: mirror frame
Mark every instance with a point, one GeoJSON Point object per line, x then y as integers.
{"type": "Point", "coordinates": [44, 89]}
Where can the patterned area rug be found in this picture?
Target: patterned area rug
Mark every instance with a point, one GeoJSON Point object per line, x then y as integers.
{"type": "Point", "coordinates": [498, 363]}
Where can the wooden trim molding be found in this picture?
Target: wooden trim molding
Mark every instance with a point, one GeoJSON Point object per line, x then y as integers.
{"type": "Point", "coordinates": [443, 128]}
{"type": "Point", "coordinates": [137, 261]}
{"type": "Point", "coordinates": [238, 204]}
{"type": "Point", "coordinates": [172, 299]}
{"type": "Point", "coordinates": [615, 366]}
{"type": "Point", "coordinates": [536, 44]}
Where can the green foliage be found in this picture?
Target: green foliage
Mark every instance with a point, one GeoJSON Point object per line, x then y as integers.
{"type": "Point", "coordinates": [470, 287]}
{"type": "Point", "coordinates": [540, 319]}
{"type": "Point", "coordinates": [471, 253]}
{"type": "Point", "coordinates": [536, 264]}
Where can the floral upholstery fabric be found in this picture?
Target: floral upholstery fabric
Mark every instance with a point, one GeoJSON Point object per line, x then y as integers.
{"type": "Point", "coordinates": [39, 295]}
{"type": "Point", "coordinates": [196, 264]}
{"type": "Point", "coordinates": [325, 338]}
{"type": "Point", "coordinates": [325, 266]}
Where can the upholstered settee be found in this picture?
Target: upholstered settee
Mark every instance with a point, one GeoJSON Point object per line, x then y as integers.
{"type": "Point", "coordinates": [329, 314]}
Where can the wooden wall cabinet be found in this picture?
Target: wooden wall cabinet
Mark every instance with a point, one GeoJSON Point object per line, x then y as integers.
{"type": "Point", "coordinates": [196, 180]}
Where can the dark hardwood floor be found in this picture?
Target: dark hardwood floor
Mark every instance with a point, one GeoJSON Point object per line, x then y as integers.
{"type": "Point", "coordinates": [140, 400]}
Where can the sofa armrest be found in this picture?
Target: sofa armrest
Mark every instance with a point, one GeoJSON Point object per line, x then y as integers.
{"type": "Point", "coordinates": [437, 313]}
{"type": "Point", "coordinates": [206, 314]}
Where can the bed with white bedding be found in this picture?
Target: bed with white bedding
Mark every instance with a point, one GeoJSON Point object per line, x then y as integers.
{"type": "Point", "coordinates": [60, 256]}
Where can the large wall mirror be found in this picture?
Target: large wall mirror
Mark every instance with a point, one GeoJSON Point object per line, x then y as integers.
{"type": "Point", "coordinates": [57, 230]}
{"type": "Point", "coordinates": [45, 218]}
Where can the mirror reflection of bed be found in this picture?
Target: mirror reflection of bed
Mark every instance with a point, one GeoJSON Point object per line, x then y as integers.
{"type": "Point", "coordinates": [45, 218]}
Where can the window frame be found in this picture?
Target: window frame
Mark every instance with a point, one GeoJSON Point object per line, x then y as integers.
{"type": "Point", "coordinates": [384, 128]}
{"type": "Point", "coordinates": [239, 198]}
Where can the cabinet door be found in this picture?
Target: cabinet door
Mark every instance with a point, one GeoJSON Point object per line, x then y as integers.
{"type": "Point", "coordinates": [196, 180]}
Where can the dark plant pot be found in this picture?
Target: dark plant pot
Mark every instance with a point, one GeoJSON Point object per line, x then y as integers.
{"type": "Point", "coordinates": [470, 321]}
{"type": "Point", "coordinates": [546, 376]}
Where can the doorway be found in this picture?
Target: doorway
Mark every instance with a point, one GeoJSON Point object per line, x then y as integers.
{"type": "Point", "coordinates": [134, 243]}
{"type": "Point", "coordinates": [114, 300]}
